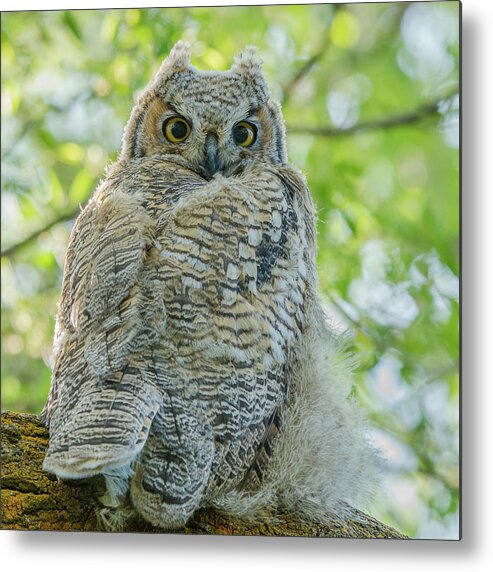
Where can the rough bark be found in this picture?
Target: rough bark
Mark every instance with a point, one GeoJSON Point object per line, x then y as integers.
{"type": "Point", "coordinates": [35, 500]}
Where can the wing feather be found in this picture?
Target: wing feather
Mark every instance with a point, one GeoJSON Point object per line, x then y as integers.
{"type": "Point", "coordinates": [107, 424]}
{"type": "Point", "coordinates": [102, 401]}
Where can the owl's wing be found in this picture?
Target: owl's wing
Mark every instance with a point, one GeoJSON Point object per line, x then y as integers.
{"type": "Point", "coordinates": [106, 253]}
{"type": "Point", "coordinates": [102, 400]}
{"type": "Point", "coordinates": [99, 425]}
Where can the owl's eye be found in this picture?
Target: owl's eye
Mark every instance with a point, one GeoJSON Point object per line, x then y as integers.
{"type": "Point", "coordinates": [244, 134]}
{"type": "Point", "coordinates": [176, 129]}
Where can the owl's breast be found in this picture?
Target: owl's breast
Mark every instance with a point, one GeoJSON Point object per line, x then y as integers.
{"type": "Point", "coordinates": [232, 272]}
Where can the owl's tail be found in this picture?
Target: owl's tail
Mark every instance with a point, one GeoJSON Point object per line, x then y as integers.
{"type": "Point", "coordinates": [174, 467]}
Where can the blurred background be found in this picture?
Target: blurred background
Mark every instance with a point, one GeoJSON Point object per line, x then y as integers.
{"type": "Point", "coordinates": [370, 93]}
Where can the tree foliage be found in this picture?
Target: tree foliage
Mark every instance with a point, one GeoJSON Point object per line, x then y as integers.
{"type": "Point", "coordinates": [370, 97]}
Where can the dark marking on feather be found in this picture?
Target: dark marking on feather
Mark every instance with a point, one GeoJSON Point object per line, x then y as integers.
{"type": "Point", "coordinates": [134, 150]}
{"type": "Point", "coordinates": [255, 473]}
{"type": "Point", "coordinates": [277, 135]}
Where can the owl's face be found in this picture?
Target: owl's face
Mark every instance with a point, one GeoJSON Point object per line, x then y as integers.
{"type": "Point", "coordinates": [209, 121]}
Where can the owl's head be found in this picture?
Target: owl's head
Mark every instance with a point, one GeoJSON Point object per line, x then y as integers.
{"type": "Point", "coordinates": [209, 121]}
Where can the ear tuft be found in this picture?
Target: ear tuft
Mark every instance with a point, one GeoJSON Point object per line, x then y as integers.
{"type": "Point", "coordinates": [248, 65]}
{"type": "Point", "coordinates": [248, 62]}
{"type": "Point", "coordinates": [177, 60]}
{"type": "Point", "coordinates": [179, 57]}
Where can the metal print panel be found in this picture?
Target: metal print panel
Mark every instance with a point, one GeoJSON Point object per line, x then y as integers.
{"type": "Point", "coordinates": [230, 270]}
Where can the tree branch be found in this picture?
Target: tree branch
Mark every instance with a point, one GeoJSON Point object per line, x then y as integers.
{"type": "Point", "coordinates": [68, 215]}
{"type": "Point", "coordinates": [289, 87]}
{"type": "Point", "coordinates": [324, 44]}
{"type": "Point", "coordinates": [35, 500]}
{"type": "Point", "coordinates": [424, 111]}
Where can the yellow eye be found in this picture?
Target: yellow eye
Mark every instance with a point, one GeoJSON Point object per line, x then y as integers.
{"type": "Point", "coordinates": [176, 129]}
{"type": "Point", "coordinates": [244, 134]}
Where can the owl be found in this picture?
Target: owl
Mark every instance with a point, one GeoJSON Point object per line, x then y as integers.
{"type": "Point", "coordinates": [193, 363]}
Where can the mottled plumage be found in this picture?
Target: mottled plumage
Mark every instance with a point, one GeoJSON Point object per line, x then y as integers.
{"type": "Point", "coordinates": [193, 365]}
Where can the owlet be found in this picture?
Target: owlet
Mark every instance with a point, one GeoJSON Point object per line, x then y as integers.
{"type": "Point", "coordinates": [193, 362]}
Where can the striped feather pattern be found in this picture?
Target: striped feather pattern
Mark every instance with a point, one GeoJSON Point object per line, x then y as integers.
{"type": "Point", "coordinates": [179, 307]}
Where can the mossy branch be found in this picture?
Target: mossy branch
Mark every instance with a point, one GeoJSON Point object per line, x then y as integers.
{"type": "Point", "coordinates": [35, 500]}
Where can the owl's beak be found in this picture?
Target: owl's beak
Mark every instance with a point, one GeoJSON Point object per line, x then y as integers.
{"type": "Point", "coordinates": [212, 163]}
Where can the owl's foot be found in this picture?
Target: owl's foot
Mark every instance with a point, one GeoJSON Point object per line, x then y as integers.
{"type": "Point", "coordinates": [114, 519]}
